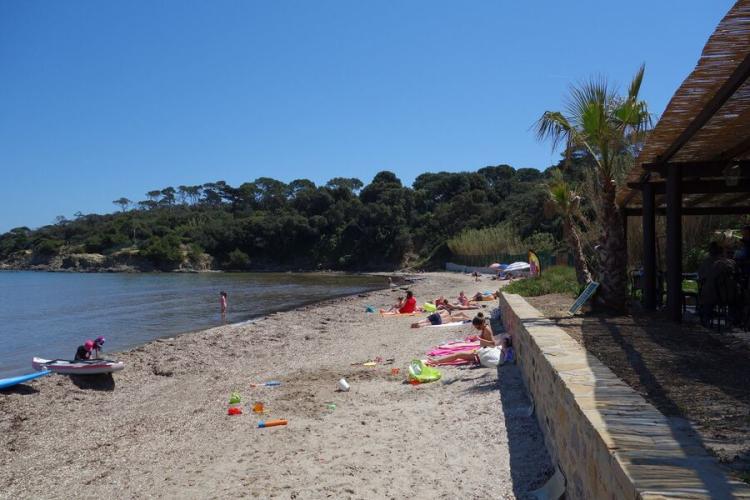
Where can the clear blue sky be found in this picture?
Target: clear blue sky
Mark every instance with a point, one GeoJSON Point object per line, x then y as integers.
{"type": "Point", "coordinates": [100, 100]}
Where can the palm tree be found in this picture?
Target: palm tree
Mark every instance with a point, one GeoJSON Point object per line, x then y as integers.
{"type": "Point", "coordinates": [610, 129]}
{"type": "Point", "coordinates": [565, 202]}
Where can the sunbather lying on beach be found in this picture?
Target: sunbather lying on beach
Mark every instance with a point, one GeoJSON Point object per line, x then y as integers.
{"type": "Point", "coordinates": [488, 354]}
{"type": "Point", "coordinates": [480, 297]}
{"type": "Point", "coordinates": [441, 317]}
{"type": "Point", "coordinates": [442, 303]}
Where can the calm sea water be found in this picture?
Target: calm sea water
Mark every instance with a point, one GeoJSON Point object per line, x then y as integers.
{"type": "Point", "coordinates": [51, 314]}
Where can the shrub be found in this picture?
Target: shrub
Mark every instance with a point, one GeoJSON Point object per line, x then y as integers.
{"type": "Point", "coordinates": [556, 279]}
{"type": "Point", "coordinates": [163, 251]}
{"type": "Point", "coordinates": [238, 259]}
{"type": "Point", "coordinates": [47, 246]}
{"type": "Point", "coordinates": [541, 243]}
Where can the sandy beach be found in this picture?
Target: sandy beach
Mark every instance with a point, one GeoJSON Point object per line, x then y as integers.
{"type": "Point", "coordinates": [162, 430]}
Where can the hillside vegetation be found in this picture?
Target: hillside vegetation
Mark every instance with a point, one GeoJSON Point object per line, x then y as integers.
{"type": "Point", "coordinates": [268, 224]}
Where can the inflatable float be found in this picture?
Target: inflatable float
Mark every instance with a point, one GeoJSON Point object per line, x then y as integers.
{"type": "Point", "coordinates": [86, 367]}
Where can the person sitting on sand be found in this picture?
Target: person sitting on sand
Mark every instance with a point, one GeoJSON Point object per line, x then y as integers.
{"type": "Point", "coordinates": [442, 303]}
{"type": "Point", "coordinates": [410, 305]}
{"type": "Point", "coordinates": [488, 354]}
{"type": "Point", "coordinates": [83, 352]}
{"type": "Point", "coordinates": [441, 317]}
{"type": "Point", "coordinates": [463, 299]}
{"type": "Point", "coordinates": [395, 307]}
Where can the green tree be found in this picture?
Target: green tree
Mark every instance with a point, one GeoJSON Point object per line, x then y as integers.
{"type": "Point", "coordinates": [609, 128]}
{"type": "Point", "coordinates": [123, 203]}
{"type": "Point", "coordinates": [565, 202]}
{"type": "Point", "coordinates": [238, 259]}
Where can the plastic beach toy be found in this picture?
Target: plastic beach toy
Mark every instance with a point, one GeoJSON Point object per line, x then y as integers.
{"type": "Point", "coordinates": [235, 398]}
{"type": "Point", "coordinates": [234, 410]}
{"type": "Point", "coordinates": [271, 423]}
{"type": "Point", "coordinates": [270, 383]}
{"type": "Point", "coordinates": [420, 372]}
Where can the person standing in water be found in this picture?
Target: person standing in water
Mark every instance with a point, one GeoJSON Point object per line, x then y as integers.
{"type": "Point", "coordinates": [223, 302]}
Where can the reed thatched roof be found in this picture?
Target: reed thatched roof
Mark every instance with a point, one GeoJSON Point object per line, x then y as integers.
{"type": "Point", "coordinates": [707, 121]}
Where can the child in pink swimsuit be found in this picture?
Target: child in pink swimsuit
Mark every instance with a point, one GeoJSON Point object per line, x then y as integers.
{"type": "Point", "coordinates": [223, 302]}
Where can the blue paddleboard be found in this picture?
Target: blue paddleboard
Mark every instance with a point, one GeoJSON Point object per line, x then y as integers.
{"type": "Point", "coordinates": [10, 382]}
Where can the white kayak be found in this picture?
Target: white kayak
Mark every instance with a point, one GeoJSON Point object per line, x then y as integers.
{"type": "Point", "coordinates": [86, 367]}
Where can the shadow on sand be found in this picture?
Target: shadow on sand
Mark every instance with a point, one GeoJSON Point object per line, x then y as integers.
{"type": "Point", "coordinates": [22, 389]}
{"type": "Point", "coordinates": [525, 440]}
{"type": "Point", "coordinates": [100, 382]}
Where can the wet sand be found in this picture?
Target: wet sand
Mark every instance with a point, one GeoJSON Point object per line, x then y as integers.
{"type": "Point", "coordinates": [160, 429]}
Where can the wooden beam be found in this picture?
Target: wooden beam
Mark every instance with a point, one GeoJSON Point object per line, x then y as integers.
{"type": "Point", "coordinates": [648, 284]}
{"type": "Point", "coordinates": [741, 210]}
{"type": "Point", "coordinates": [699, 168]}
{"type": "Point", "coordinates": [699, 187]}
{"type": "Point", "coordinates": [727, 90]}
{"type": "Point", "coordinates": [674, 244]}
{"type": "Point", "coordinates": [698, 200]}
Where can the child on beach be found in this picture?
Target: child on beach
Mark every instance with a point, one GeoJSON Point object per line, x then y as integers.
{"type": "Point", "coordinates": [223, 302]}
{"type": "Point", "coordinates": [463, 299]}
{"type": "Point", "coordinates": [398, 305]}
{"type": "Point", "coordinates": [83, 352]}
{"type": "Point", "coordinates": [97, 347]}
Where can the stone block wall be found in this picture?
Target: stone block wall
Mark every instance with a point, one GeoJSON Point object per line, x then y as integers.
{"type": "Point", "coordinates": [608, 441]}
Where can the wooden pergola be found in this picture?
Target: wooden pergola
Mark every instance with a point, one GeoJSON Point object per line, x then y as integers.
{"type": "Point", "coordinates": [696, 161]}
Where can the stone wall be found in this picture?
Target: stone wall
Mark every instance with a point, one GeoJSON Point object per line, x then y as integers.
{"type": "Point", "coordinates": [608, 441]}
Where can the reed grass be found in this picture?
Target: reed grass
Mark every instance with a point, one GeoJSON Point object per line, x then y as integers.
{"type": "Point", "coordinates": [502, 239]}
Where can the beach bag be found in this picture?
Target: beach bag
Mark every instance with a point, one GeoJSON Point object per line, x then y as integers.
{"type": "Point", "coordinates": [429, 307]}
{"type": "Point", "coordinates": [422, 373]}
{"type": "Point", "coordinates": [489, 357]}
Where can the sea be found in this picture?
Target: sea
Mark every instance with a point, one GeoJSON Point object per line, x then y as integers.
{"type": "Point", "coordinates": [50, 314]}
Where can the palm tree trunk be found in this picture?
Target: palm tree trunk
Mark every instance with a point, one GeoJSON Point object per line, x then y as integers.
{"type": "Point", "coordinates": [613, 282]}
{"type": "Point", "coordinates": [579, 259]}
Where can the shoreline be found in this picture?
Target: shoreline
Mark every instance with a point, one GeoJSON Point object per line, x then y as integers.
{"type": "Point", "coordinates": [160, 428]}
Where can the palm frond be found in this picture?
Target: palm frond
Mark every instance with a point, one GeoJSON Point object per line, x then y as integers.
{"type": "Point", "coordinates": [553, 126]}
{"type": "Point", "coordinates": [635, 84]}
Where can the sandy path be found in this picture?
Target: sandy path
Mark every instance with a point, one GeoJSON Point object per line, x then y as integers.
{"type": "Point", "coordinates": [163, 430]}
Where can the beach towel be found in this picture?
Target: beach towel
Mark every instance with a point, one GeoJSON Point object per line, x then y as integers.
{"type": "Point", "coordinates": [454, 323]}
{"type": "Point", "coordinates": [445, 350]}
{"type": "Point", "coordinates": [398, 314]}
{"type": "Point", "coordinates": [453, 347]}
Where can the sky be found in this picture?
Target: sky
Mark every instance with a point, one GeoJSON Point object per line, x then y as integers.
{"type": "Point", "coordinates": [100, 100]}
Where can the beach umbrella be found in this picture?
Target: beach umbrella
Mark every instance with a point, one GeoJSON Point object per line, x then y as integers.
{"type": "Point", "coordinates": [494, 266]}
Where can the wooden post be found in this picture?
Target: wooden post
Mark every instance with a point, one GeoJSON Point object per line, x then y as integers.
{"type": "Point", "coordinates": [649, 248]}
{"type": "Point", "coordinates": [624, 218]}
{"type": "Point", "coordinates": [674, 243]}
